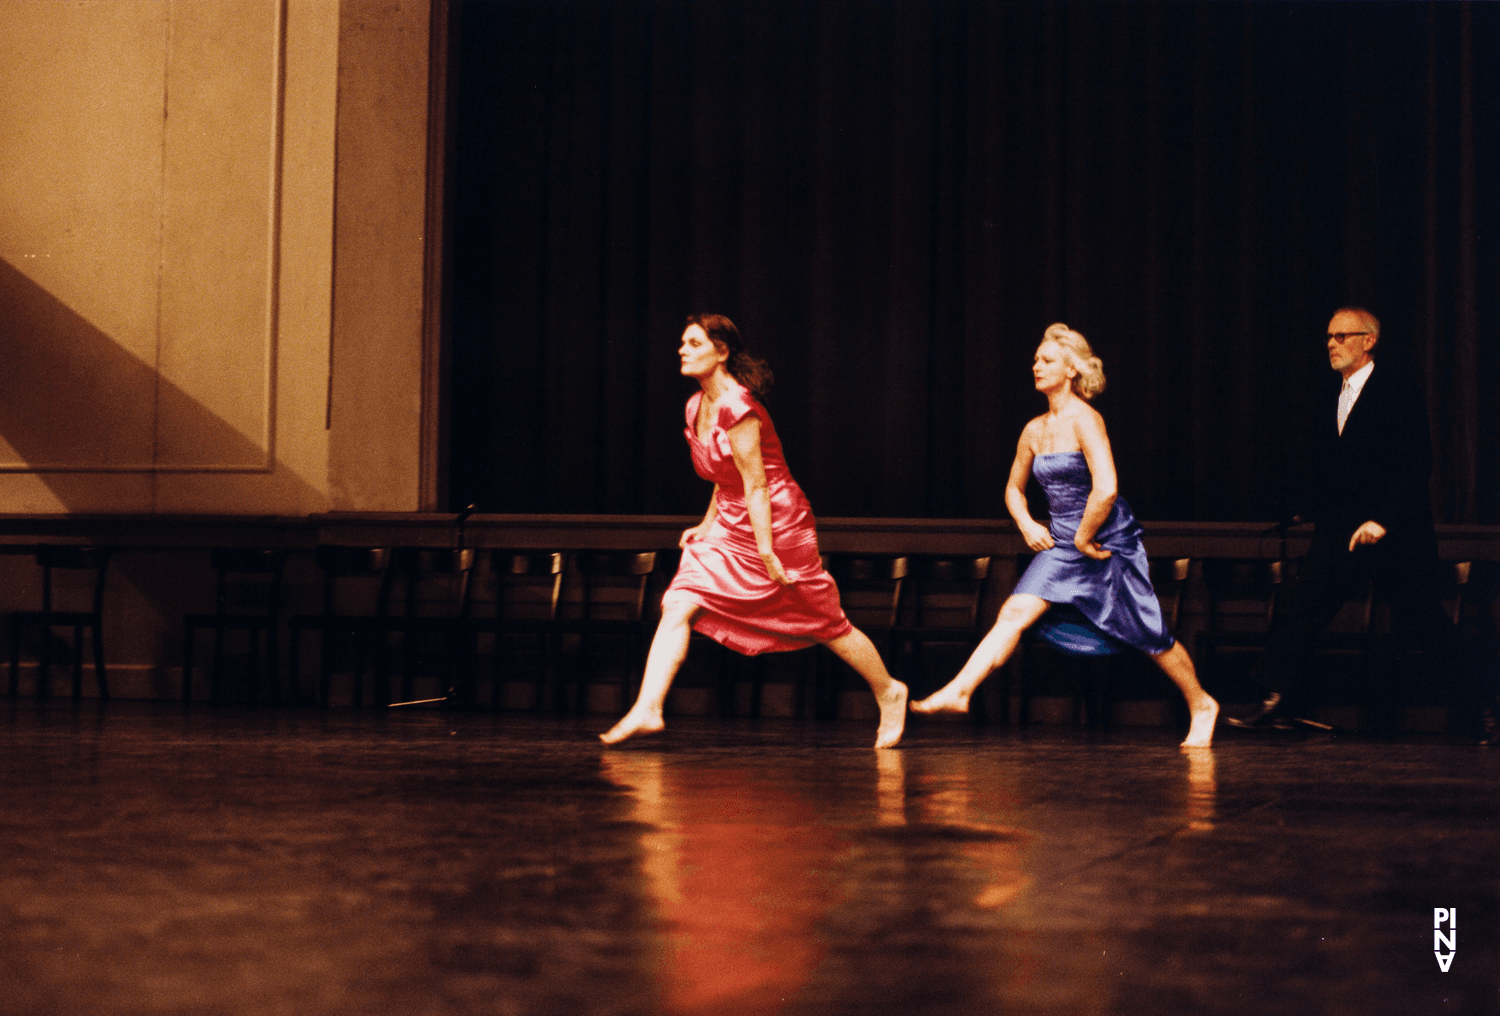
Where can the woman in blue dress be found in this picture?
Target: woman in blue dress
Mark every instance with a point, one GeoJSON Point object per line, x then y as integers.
{"type": "Point", "coordinates": [1090, 557]}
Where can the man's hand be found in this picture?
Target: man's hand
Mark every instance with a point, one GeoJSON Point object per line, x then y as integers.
{"type": "Point", "coordinates": [1370, 532]}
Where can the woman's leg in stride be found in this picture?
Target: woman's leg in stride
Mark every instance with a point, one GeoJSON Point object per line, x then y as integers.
{"type": "Point", "coordinates": [855, 648]}
{"type": "Point", "coordinates": [1178, 665]}
{"type": "Point", "coordinates": [1019, 613]}
{"type": "Point", "coordinates": [668, 649]}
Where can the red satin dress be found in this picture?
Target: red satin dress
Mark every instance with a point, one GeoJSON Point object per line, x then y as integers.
{"type": "Point", "coordinates": [743, 608]}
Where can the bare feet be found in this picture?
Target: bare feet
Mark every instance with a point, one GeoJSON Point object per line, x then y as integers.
{"type": "Point", "coordinates": [892, 716]}
{"type": "Point", "coordinates": [1201, 732]}
{"type": "Point", "coordinates": [633, 723]}
{"type": "Point", "coordinates": [944, 700]}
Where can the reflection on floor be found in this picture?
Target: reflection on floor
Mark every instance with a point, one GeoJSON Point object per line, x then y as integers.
{"type": "Point", "coordinates": [160, 861]}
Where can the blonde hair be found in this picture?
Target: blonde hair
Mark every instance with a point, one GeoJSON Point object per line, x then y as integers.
{"type": "Point", "coordinates": [1079, 355]}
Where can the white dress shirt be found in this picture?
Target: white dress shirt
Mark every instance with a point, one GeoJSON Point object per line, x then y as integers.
{"type": "Point", "coordinates": [1349, 394]}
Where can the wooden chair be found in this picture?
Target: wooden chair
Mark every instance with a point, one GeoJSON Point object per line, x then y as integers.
{"type": "Point", "coordinates": [72, 559]}
{"type": "Point", "coordinates": [350, 575]}
{"type": "Point", "coordinates": [870, 591]}
{"type": "Point", "coordinates": [613, 606]}
{"type": "Point", "coordinates": [247, 598]}
{"type": "Point", "coordinates": [1243, 598]}
{"type": "Point", "coordinates": [527, 591]}
{"type": "Point", "coordinates": [434, 605]}
{"type": "Point", "coordinates": [943, 600]}
{"type": "Point", "coordinates": [1382, 685]}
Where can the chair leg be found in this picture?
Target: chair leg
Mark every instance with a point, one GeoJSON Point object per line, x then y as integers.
{"type": "Point", "coordinates": [719, 668]}
{"type": "Point", "coordinates": [325, 667]}
{"type": "Point", "coordinates": [1001, 681]}
{"type": "Point", "coordinates": [360, 655]}
{"type": "Point", "coordinates": [273, 662]}
{"type": "Point", "coordinates": [825, 687]}
{"type": "Point", "coordinates": [380, 668]}
{"type": "Point", "coordinates": [635, 673]}
{"type": "Point", "coordinates": [757, 686]}
{"type": "Point", "coordinates": [101, 676]}
{"type": "Point", "coordinates": [44, 668]}
{"type": "Point", "coordinates": [498, 671]}
{"type": "Point", "coordinates": [252, 667]}
{"type": "Point", "coordinates": [15, 659]}
{"type": "Point", "coordinates": [77, 662]}
{"type": "Point", "coordinates": [410, 640]}
{"type": "Point", "coordinates": [294, 667]}
{"type": "Point", "coordinates": [551, 680]}
{"type": "Point", "coordinates": [1023, 664]}
{"type": "Point", "coordinates": [216, 677]}
{"type": "Point", "coordinates": [188, 631]}
{"type": "Point", "coordinates": [585, 675]}
{"type": "Point", "coordinates": [802, 687]}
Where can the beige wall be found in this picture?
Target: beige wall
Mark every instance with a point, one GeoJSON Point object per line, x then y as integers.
{"type": "Point", "coordinates": [169, 246]}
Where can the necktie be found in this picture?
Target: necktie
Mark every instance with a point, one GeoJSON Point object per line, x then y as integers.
{"type": "Point", "coordinates": [1346, 403]}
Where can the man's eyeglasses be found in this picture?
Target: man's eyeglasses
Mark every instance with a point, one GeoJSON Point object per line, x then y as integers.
{"type": "Point", "coordinates": [1342, 337]}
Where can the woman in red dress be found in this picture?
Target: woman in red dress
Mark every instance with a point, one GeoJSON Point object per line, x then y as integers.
{"type": "Point", "coordinates": [750, 575]}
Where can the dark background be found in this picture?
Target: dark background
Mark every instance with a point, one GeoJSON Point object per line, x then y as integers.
{"type": "Point", "coordinates": [893, 200]}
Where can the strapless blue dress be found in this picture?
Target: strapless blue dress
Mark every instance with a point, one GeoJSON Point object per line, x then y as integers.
{"type": "Point", "coordinates": [1099, 607]}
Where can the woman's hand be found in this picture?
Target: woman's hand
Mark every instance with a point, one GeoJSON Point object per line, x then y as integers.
{"type": "Point", "coordinates": [774, 569]}
{"type": "Point", "coordinates": [1088, 548]}
{"type": "Point", "coordinates": [1037, 536]}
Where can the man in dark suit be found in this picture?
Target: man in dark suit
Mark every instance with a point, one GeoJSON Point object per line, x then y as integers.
{"type": "Point", "coordinates": [1371, 508]}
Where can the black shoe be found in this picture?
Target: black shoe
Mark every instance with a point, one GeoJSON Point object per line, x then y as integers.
{"type": "Point", "coordinates": [1270, 716]}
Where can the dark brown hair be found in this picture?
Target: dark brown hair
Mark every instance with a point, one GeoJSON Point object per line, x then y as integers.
{"type": "Point", "coordinates": [750, 371]}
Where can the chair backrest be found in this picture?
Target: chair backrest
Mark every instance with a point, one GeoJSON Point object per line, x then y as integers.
{"type": "Point", "coordinates": [1253, 581]}
{"type": "Point", "coordinates": [351, 570]}
{"type": "Point", "coordinates": [947, 590]}
{"type": "Point", "coordinates": [248, 580]}
{"type": "Point", "coordinates": [528, 583]}
{"type": "Point", "coordinates": [1169, 577]}
{"type": "Point", "coordinates": [869, 586]}
{"type": "Point", "coordinates": [436, 580]}
{"type": "Point", "coordinates": [614, 583]}
{"type": "Point", "coordinates": [73, 558]}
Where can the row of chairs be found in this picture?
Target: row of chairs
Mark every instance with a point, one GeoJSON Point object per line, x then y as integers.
{"type": "Point", "coordinates": [425, 596]}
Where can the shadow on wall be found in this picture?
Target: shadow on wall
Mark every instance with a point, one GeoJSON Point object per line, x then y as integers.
{"type": "Point", "coordinates": [74, 403]}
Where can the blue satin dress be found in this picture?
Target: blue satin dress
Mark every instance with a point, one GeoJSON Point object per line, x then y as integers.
{"type": "Point", "coordinates": [1099, 607]}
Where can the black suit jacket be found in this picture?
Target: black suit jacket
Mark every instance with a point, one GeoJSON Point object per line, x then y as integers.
{"type": "Point", "coordinates": [1379, 469]}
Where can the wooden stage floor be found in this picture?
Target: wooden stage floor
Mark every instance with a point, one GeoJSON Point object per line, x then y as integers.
{"type": "Point", "coordinates": [281, 861]}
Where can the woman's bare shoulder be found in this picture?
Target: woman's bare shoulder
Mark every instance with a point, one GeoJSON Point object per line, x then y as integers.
{"type": "Point", "coordinates": [1086, 419]}
{"type": "Point", "coordinates": [1033, 432]}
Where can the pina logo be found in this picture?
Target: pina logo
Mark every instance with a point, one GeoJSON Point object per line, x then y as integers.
{"type": "Point", "coordinates": [1444, 939]}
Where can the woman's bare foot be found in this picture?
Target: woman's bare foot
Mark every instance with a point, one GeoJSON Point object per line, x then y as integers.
{"type": "Point", "coordinates": [1201, 732]}
{"type": "Point", "coordinates": [633, 723]}
{"type": "Point", "coordinates": [892, 716]}
{"type": "Point", "coordinates": [944, 700]}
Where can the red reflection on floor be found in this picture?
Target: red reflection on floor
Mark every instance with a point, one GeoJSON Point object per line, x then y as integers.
{"type": "Point", "coordinates": [741, 873]}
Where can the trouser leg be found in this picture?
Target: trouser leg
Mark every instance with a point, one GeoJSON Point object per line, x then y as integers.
{"type": "Point", "coordinates": [1309, 605]}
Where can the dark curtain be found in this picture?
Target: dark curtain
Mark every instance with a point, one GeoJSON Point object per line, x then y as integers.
{"type": "Point", "coordinates": [893, 200]}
